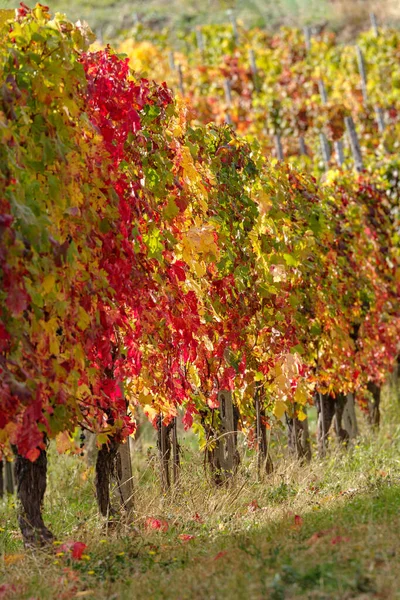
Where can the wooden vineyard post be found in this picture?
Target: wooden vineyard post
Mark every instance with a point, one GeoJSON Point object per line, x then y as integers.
{"type": "Point", "coordinates": [380, 119]}
{"type": "Point", "coordinates": [321, 425]}
{"type": "Point", "coordinates": [326, 155]}
{"type": "Point", "coordinates": [228, 100]}
{"type": "Point", "coordinates": [228, 92]}
{"type": "Point", "coordinates": [302, 146]}
{"type": "Point", "coordinates": [258, 431]}
{"type": "Point", "coordinates": [234, 27]}
{"type": "Point", "coordinates": [307, 38]}
{"type": "Point", "coordinates": [200, 41]}
{"type": "Point", "coordinates": [254, 70]}
{"type": "Point", "coordinates": [363, 74]}
{"type": "Point", "coordinates": [264, 462]}
{"type": "Point", "coordinates": [180, 80]}
{"type": "Point", "coordinates": [322, 91]}
{"type": "Point", "coordinates": [1, 478]}
{"type": "Point", "coordinates": [299, 437]}
{"type": "Point", "coordinates": [175, 452]}
{"type": "Point", "coordinates": [354, 143]}
{"type": "Point", "coordinates": [374, 24]}
{"type": "Point", "coordinates": [9, 479]}
{"type": "Point", "coordinates": [164, 447]}
{"type": "Point", "coordinates": [278, 146]}
{"type": "Point", "coordinates": [124, 475]}
{"type": "Point", "coordinates": [325, 150]}
{"type": "Point", "coordinates": [344, 420]}
{"type": "Point", "coordinates": [171, 59]}
{"type": "Point", "coordinates": [326, 411]}
{"type": "Point", "coordinates": [226, 442]}
{"type": "Point", "coordinates": [339, 152]}
{"type": "Point", "coordinates": [349, 417]}
{"type": "Point", "coordinates": [223, 458]}
{"type": "Point", "coordinates": [374, 415]}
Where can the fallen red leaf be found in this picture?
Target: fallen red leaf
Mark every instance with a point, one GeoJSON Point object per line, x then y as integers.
{"type": "Point", "coordinates": [298, 521]}
{"type": "Point", "coordinates": [220, 555]}
{"type": "Point", "coordinates": [253, 506]}
{"type": "Point", "coordinates": [186, 537]}
{"type": "Point", "coordinates": [316, 536]}
{"type": "Point", "coordinates": [198, 518]}
{"type": "Point", "coordinates": [339, 539]}
{"type": "Point", "coordinates": [5, 589]}
{"type": "Point", "coordinates": [76, 549]}
{"type": "Point", "coordinates": [152, 523]}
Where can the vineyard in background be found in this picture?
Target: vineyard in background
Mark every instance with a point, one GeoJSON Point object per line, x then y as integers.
{"type": "Point", "coordinates": [226, 256]}
{"type": "Point", "coordinates": [110, 19]}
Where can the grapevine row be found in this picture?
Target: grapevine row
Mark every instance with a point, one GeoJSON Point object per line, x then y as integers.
{"type": "Point", "coordinates": [146, 259]}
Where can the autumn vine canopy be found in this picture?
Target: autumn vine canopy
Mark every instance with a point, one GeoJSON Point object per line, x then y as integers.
{"type": "Point", "coordinates": [151, 255]}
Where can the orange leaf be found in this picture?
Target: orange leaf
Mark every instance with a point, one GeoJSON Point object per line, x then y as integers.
{"type": "Point", "coordinates": [10, 559]}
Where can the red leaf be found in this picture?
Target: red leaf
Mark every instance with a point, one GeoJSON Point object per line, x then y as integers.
{"type": "Point", "coordinates": [316, 536]}
{"type": "Point", "coordinates": [6, 589]}
{"type": "Point", "coordinates": [220, 555]}
{"type": "Point", "coordinates": [152, 523]}
{"type": "Point", "coordinates": [77, 549]}
{"type": "Point", "coordinates": [17, 300]}
{"type": "Point", "coordinates": [33, 454]}
{"type": "Point", "coordinates": [186, 537]}
{"type": "Point", "coordinates": [298, 521]}
{"type": "Point", "coordinates": [188, 417]}
{"type": "Point", "coordinates": [339, 539]}
{"type": "Point", "coordinates": [198, 518]}
{"type": "Point", "coordinates": [253, 506]}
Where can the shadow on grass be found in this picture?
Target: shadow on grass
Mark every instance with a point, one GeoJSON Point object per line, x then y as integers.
{"type": "Point", "coordinates": [348, 549]}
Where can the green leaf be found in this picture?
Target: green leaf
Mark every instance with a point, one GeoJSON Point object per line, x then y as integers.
{"type": "Point", "coordinates": [171, 210]}
{"type": "Point", "coordinates": [290, 260]}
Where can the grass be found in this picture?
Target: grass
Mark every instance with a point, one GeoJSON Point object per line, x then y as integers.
{"type": "Point", "coordinates": [328, 530]}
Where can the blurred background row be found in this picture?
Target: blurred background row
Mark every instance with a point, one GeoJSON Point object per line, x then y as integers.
{"type": "Point", "coordinates": [114, 18]}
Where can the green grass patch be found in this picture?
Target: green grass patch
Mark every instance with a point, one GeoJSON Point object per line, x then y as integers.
{"type": "Point", "coordinates": [327, 530]}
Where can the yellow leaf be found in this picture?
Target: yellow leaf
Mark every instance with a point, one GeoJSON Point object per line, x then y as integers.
{"type": "Point", "coordinates": [54, 345]}
{"type": "Point", "coordinates": [83, 319]}
{"type": "Point", "coordinates": [199, 268]}
{"type": "Point", "coordinates": [279, 409]}
{"type": "Point", "coordinates": [300, 395]}
{"type": "Point", "coordinates": [150, 412]}
{"type": "Point", "coordinates": [79, 354]}
{"type": "Point", "coordinates": [301, 415]}
{"type": "Point", "coordinates": [6, 15]}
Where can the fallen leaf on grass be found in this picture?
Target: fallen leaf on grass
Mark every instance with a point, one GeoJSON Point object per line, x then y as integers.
{"type": "Point", "coordinates": [298, 521]}
{"type": "Point", "coordinates": [253, 506]}
{"type": "Point", "coordinates": [186, 537]}
{"type": "Point", "coordinates": [84, 593]}
{"type": "Point", "coordinates": [316, 536]}
{"type": "Point", "coordinates": [74, 549]}
{"type": "Point", "coordinates": [6, 589]}
{"type": "Point", "coordinates": [197, 518]}
{"type": "Point", "coordinates": [10, 559]}
{"type": "Point", "coordinates": [152, 523]}
{"type": "Point", "coordinates": [220, 555]}
{"type": "Point", "coordinates": [339, 539]}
